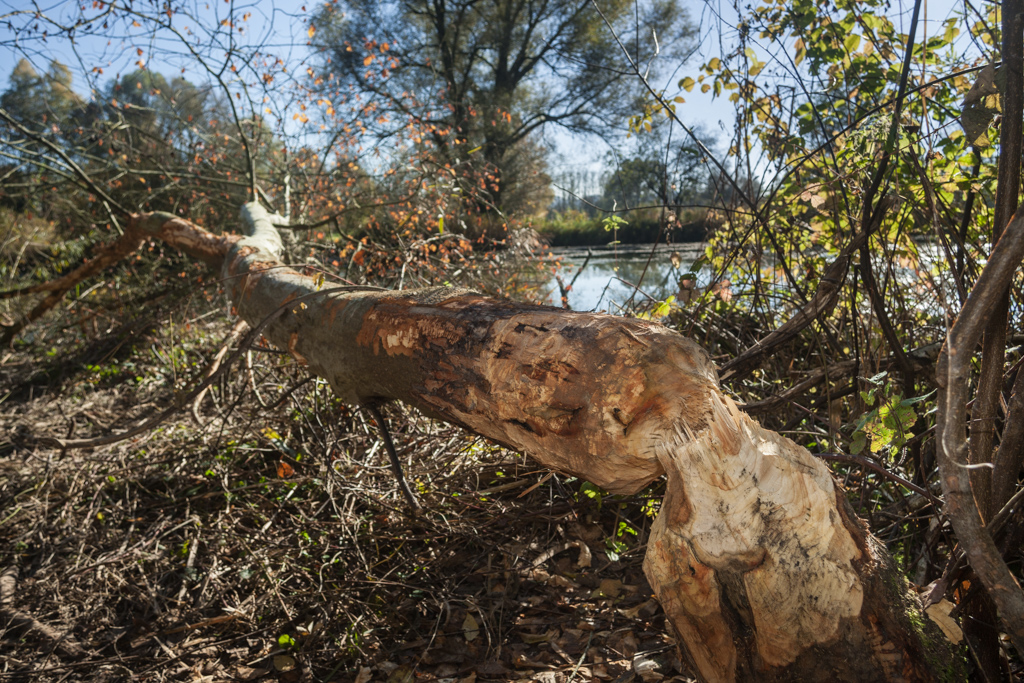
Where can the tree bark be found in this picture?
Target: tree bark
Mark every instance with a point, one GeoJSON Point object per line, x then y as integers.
{"type": "Point", "coordinates": [952, 375]}
{"type": "Point", "coordinates": [764, 571]}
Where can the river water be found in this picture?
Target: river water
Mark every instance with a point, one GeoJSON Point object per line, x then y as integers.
{"type": "Point", "coordinates": [608, 281]}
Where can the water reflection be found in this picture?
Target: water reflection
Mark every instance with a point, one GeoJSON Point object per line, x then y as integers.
{"type": "Point", "coordinates": [606, 283]}
{"type": "Point", "coordinates": [602, 285]}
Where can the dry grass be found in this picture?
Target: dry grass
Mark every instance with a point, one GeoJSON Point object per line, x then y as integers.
{"type": "Point", "coordinates": [272, 543]}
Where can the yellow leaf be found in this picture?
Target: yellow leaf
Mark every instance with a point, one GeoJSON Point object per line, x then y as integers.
{"type": "Point", "coordinates": [311, 31]}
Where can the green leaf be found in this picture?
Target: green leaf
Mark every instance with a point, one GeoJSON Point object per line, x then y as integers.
{"type": "Point", "coordinates": [874, 22]}
{"type": "Point", "coordinates": [858, 443]}
{"type": "Point", "coordinates": [881, 437]}
{"type": "Point", "coordinates": [595, 493]}
{"type": "Point", "coordinates": [613, 222]}
{"type": "Point", "coordinates": [917, 399]}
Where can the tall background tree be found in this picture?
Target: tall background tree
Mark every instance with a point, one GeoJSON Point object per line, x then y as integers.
{"type": "Point", "coordinates": [485, 79]}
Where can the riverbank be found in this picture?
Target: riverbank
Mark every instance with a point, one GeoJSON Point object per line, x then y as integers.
{"type": "Point", "coordinates": [576, 229]}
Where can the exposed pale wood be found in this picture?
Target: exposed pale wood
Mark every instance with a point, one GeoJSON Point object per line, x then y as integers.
{"type": "Point", "coordinates": [761, 566]}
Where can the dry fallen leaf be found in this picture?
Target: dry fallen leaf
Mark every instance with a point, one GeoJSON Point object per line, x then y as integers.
{"type": "Point", "coordinates": [626, 644]}
{"type": "Point", "coordinates": [939, 613]}
{"type": "Point", "coordinates": [980, 107]}
{"type": "Point", "coordinates": [284, 662]}
{"type": "Point", "coordinates": [647, 669]}
{"type": "Point", "coordinates": [403, 674]}
{"type": "Point", "coordinates": [608, 588]}
{"type": "Point", "coordinates": [492, 668]}
{"type": "Point", "coordinates": [643, 610]}
{"type": "Point", "coordinates": [534, 638]}
{"type": "Point", "coordinates": [364, 675]}
{"type": "Point", "coordinates": [470, 629]}
{"type": "Point", "coordinates": [559, 581]}
{"type": "Point", "coordinates": [586, 558]}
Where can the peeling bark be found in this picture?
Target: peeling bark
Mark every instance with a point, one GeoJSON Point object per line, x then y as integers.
{"type": "Point", "coordinates": [763, 569]}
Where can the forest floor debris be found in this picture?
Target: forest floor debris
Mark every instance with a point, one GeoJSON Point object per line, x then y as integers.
{"type": "Point", "coordinates": [272, 543]}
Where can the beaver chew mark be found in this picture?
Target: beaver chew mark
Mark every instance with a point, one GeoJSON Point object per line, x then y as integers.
{"type": "Point", "coordinates": [619, 417]}
{"type": "Point", "coordinates": [505, 351]}
{"type": "Point", "coordinates": [582, 334]}
{"type": "Point", "coordinates": [523, 425]}
{"type": "Point", "coordinates": [623, 419]}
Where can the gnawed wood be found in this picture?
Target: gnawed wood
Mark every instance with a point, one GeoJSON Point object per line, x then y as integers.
{"type": "Point", "coordinates": [762, 568]}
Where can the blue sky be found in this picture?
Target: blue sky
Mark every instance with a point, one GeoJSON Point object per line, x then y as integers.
{"type": "Point", "coordinates": [278, 30]}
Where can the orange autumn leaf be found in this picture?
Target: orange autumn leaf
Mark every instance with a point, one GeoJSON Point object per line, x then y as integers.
{"type": "Point", "coordinates": [369, 58]}
{"type": "Point", "coordinates": [284, 470]}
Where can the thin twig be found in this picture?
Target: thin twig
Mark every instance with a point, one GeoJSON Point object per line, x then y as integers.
{"type": "Point", "coordinates": [396, 464]}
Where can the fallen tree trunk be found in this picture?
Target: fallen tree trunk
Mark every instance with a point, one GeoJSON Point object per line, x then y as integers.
{"type": "Point", "coordinates": [762, 567]}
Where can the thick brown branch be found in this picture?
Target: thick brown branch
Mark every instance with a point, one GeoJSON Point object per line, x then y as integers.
{"type": "Point", "coordinates": [166, 227]}
{"type": "Point", "coordinates": [951, 443]}
{"type": "Point", "coordinates": [106, 256]}
{"type": "Point", "coordinates": [990, 382]}
{"type": "Point", "coordinates": [1009, 457]}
